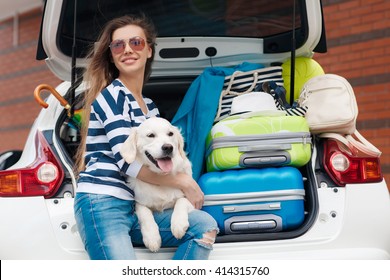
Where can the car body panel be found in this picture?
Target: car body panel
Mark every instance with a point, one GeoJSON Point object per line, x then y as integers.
{"type": "Point", "coordinates": [51, 222]}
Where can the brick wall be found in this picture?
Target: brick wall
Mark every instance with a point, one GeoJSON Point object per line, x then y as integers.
{"type": "Point", "coordinates": [358, 34]}
{"type": "Point", "coordinates": [20, 73]}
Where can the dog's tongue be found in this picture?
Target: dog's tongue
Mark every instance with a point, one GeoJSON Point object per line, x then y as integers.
{"type": "Point", "coordinates": [165, 164]}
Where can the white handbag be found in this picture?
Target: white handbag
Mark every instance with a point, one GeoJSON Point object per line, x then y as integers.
{"type": "Point", "coordinates": [331, 104]}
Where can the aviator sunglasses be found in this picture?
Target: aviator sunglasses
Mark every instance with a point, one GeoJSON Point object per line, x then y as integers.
{"type": "Point", "coordinates": [136, 44]}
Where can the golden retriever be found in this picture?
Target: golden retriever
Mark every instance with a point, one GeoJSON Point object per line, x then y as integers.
{"type": "Point", "coordinates": [158, 145]}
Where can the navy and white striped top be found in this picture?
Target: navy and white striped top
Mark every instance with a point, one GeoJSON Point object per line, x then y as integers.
{"type": "Point", "coordinates": [113, 113]}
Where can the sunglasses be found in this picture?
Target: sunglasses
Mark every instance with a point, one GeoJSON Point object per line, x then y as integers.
{"type": "Point", "coordinates": [136, 44]}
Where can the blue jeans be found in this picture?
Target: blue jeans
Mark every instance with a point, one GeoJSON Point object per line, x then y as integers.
{"type": "Point", "coordinates": [109, 227]}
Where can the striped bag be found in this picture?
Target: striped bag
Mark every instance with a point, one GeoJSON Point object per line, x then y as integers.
{"type": "Point", "coordinates": [279, 94]}
{"type": "Point", "coordinates": [245, 82]}
{"type": "Point", "coordinates": [295, 110]}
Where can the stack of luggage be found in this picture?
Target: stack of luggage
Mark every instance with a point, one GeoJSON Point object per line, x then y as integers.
{"type": "Point", "coordinates": [253, 154]}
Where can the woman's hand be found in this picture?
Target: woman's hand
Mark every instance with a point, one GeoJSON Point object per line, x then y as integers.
{"type": "Point", "coordinates": [190, 189]}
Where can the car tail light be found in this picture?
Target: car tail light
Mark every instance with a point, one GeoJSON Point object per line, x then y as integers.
{"type": "Point", "coordinates": [41, 178]}
{"type": "Point", "coordinates": [350, 167]}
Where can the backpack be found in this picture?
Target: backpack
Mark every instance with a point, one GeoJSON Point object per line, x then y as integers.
{"type": "Point", "coordinates": [332, 112]}
{"type": "Point", "coordinates": [331, 104]}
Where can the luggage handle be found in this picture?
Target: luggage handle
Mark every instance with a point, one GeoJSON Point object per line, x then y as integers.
{"type": "Point", "coordinates": [254, 207]}
{"type": "Point", "coordinates": [281, 147]}
{"type": "Point", "coordinates": [253, 224]}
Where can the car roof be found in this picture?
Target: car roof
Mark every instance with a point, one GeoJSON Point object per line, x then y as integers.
{"type": "Point", "coordinates": [191, 34]}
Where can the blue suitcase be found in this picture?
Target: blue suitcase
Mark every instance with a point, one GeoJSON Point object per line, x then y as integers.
{"type": "Point", "coordinates": [254, 200]}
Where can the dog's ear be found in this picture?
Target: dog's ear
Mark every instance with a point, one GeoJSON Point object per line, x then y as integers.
{"type": "Point", "coordinates": [180, 141]}
{"type": "Point", "coordinates": [129, 147]}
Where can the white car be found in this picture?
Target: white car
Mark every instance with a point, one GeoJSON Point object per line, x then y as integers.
{"type": "Point", "coordinates": [342, 221]}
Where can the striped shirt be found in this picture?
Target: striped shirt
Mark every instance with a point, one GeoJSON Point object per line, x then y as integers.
{"type": "Point", "coordinates": [113, 113]}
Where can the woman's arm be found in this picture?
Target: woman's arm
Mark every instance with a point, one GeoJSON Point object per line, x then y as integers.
{"type": "Point", "coordinates": [182, 181]}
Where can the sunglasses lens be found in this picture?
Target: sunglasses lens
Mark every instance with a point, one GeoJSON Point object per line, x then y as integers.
{"type": "Point", "coordinates": [137, 43]}
{"type": "Point", "coordinates": [117, 46]}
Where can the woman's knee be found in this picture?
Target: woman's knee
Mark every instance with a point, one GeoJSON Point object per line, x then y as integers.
{"type": "Point", "coordinates": [208, 238]}
{"type": "Point", "coordinates": [204, 226]}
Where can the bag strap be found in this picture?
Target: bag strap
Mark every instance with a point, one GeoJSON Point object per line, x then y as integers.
{"type": "Point", "coordinates": [231, 83]}
{"type": "Point", "coordinates": [363, 143]}
{"type": "Point", "coordinates": [360, 143]}
{"type": "Point", "coordinates": [235, 75]}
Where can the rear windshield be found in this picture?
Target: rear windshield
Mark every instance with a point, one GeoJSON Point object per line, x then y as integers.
{"type": "Point", "coordinates": [173, 18]}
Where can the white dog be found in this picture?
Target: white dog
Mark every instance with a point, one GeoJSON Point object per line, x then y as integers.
{"type": "Point", "coordinates": [159, 146]}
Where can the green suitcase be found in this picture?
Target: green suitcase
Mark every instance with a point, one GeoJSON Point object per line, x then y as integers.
{"type": "Point", "coordinates": [258, 141]}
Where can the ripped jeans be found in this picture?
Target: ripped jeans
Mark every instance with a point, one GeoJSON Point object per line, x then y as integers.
{"type": "Point", "coordinates": [109, 227]}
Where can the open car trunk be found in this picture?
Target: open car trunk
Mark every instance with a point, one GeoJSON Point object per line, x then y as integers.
{"type": "Point", "coordinates": [168, 94]}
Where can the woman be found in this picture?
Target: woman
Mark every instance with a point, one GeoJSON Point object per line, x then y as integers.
{"type": "Point", "coordinates": [119, 65]}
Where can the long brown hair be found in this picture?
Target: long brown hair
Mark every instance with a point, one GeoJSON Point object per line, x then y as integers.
{"type": "Point", "coordinates": [100, 71]}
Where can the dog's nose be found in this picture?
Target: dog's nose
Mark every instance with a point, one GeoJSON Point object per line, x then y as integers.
{"type": "Point", "coordinates": [167, 149]}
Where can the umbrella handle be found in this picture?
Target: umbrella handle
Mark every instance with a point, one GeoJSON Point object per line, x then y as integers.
{"type": "Point", "coordinates": [38, 98]}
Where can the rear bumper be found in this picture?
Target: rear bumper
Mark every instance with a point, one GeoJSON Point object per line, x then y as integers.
{"type": "Point", "coordinates": [352, 223]}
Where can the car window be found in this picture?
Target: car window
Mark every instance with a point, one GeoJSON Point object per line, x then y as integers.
{"type": "Point", "coordinates": [173, 18]}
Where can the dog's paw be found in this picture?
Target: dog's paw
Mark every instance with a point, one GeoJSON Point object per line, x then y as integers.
{"type": "Point", "coordinates": [151, 237]}
{"type": "Point", "coordinates": [152, 242]}
{"type": "Point", "coordinates": [179, 226]}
